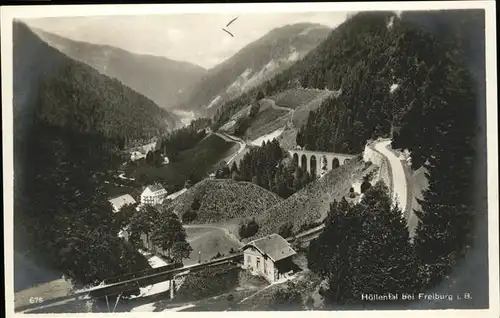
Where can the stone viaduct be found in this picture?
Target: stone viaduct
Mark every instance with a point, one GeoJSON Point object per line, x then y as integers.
{"type": "Point", "coordinates": [315, 161]}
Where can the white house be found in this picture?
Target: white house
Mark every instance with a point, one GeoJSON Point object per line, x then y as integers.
{"type": "Point", "coordinates": [120, 201]}
{"type": "Point", "coordinates": [153, 195]}
{"type": "Point", "coordinates": [270, 257]}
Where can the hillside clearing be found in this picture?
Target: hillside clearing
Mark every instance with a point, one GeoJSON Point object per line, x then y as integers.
{"type": "Point", "coordinates": [266, 122]}
{"type": "Point", "coordinates": [194, 163]}
{"type": "Point", "coordinates": [301, 113]}
{"type": "Point", "coordinates": [207, 242]}
{"type": "Point", "coordinates": [293, 98]}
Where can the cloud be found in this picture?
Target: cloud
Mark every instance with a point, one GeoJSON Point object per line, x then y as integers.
{"type": "Point", "coordinates": [196, 38]}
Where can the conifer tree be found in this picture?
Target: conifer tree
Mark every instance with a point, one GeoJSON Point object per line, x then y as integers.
{"type": "Point", "coordinates": [364, 249]}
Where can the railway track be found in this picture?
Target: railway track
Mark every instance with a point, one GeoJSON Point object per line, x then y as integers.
{"type": "Point", "coordinates": [131, 284]}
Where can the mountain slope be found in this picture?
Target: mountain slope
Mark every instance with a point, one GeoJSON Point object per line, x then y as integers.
{"type": "Point", "coordinates": [69, 94]}
{"type": "Point", "coordinates": [161, 79]}
{"type": "Point", "coordinates": [382, 64]}
{"type": "Point", "coordinates": [311, 204]}
{"type": "Point", "coordinates": [254, 64]}
{"type": "Point", "coordinates": [70, 122]}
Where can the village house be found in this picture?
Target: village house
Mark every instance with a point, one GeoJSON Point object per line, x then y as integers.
{"type": "Point", "coordinates": [270, 257]}
{"type": "Point", "coordinates": [140, 152]}
{"type": "Point", "coordinates": [120, 201]}
{"type": "Point", "coordinates": [153, 195]}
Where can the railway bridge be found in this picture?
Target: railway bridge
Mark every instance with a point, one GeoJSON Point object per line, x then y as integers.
{"type": "Point", "coordinates": [315, 161]}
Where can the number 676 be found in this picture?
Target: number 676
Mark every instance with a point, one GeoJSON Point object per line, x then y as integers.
{"type": "Point", "coordinates": [36, 300]}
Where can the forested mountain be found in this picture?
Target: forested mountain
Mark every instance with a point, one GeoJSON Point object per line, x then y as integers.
{"type": "Point", "coordinates": [378, 61]}
{"type": "Point", "coordinates": [418, 78]}
{"type": "Point", "coordinates": [70, 121]}
{"type": "Point", "coordinates": [253, 64]}
{"type": "Point", "coordinates": [70, 94]}
{"type": "Point", "coordinates": [162, 80]}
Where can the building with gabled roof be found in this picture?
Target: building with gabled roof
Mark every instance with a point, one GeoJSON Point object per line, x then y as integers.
{"type": "Point", "coordinates": [153, 194]}
{"type": "Point", "coordinates": [120, 201]}
{"type": "Point", "coordinates": [270, 257]}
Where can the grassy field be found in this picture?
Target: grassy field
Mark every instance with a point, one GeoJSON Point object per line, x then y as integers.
{"type": "Point", "coordinates": [266, 122]}
{"type": "Point", "coordinates": [208, 241]}
{"type": "Point", "coordinates": [301, 113]}
{"type": "Point", "coordinates": [197, 162]}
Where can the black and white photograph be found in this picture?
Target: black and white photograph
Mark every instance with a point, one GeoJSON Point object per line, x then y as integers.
{"type": "Point", "coordinates": [250, 157]}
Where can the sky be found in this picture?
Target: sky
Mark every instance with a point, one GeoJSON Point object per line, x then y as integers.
{"type": "Point", "coordinates": [195, 37]}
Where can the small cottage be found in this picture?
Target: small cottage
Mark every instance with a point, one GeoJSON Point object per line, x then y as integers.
{"type": "Point", "coordinates": [270, 257]}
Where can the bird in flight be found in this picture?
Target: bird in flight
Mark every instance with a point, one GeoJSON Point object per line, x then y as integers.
{"type": "Point", "coordinates": [231, 21]}
{"type": "Point", "coordinates": [228, 25]}
{"type": "Point", "coordinates": [228, 32]}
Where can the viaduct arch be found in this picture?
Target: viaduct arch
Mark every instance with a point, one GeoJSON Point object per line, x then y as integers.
{"type": "Point", "coordinates": [316, 161]}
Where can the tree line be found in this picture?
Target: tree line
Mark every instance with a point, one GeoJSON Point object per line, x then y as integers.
{"type": "Point", "coordinates": [435, 116]}
{"type": "Point", "coordinates": [421, 88]}
{"type": "Point", "coordinates": [63, 220]}
{"type": "Point", "coordinates": [81, 99]}
{"type": "Point", "coordinates": [265, 166]}
{"type": "Point", "coordinates": [182, 139]}
{"type": "Point", "coordinates": [364, 249]}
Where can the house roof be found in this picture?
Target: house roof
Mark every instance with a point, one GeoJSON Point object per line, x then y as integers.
{"type": "Point", "coordinates": [274, 246]}
{"type": "Point", "coordinates": [155, 187]}
{"type": "Point", "coordinates": [120, 201]}
{"type": "Point", "coordinates": [176, 194]}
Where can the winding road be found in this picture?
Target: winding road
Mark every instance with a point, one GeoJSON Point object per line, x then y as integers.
{"type": "Point", "coordinates": [233, 139]}
{"type": "Point", "coordinates": [242, 143]}
{"type": "Point", "coordinates": [272, 102]}
{"type": "Point", "coordinates": [290, 111]}
{"type": "Point", "coordinates": [398, 174]}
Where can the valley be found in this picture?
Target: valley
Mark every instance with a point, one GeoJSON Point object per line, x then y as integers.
{"type": "Point", "coordinates": [309, 167]}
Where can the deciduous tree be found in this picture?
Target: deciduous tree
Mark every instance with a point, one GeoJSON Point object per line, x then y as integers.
{"type": "Point", "coordinates": [181, 250]}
